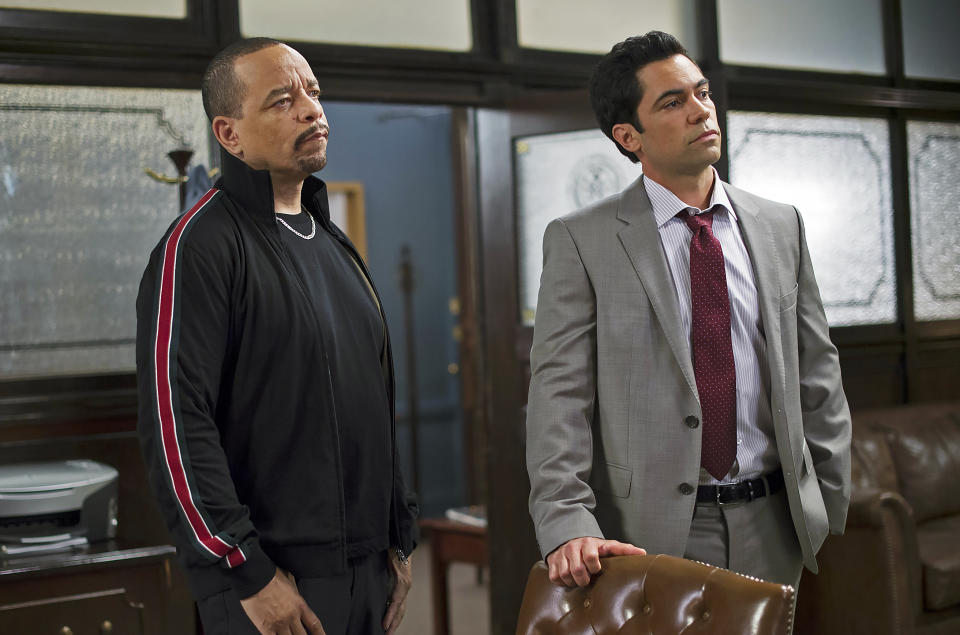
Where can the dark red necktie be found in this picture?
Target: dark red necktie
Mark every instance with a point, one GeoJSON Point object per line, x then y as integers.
{"type": "Point", "coordinates": [713, 365]}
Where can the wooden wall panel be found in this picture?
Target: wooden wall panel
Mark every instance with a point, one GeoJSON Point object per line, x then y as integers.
{"type": "Point", "coordinates": [872, 376]}
{"type": "Point", "coordinates": [936, 375]}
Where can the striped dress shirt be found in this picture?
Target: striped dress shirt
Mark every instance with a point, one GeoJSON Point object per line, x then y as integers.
{"type": "Point", "coordinates": [756, 448]}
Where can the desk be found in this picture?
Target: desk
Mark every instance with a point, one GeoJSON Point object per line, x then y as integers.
{"type": "Point", "coordinates": [106, 587]}
{"type": "Point", "coordinates": [450, 542]}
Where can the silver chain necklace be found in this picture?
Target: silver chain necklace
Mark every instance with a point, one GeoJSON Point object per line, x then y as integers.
{"type": "Point", "coordinates": [313, 227]}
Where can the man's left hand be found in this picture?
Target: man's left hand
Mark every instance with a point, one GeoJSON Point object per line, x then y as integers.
{"type": "Point", "coordinates": [398, 599]}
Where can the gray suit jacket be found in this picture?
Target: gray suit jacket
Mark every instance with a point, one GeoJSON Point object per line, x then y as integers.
{"type": "Point", "coordinates": [612, 380]}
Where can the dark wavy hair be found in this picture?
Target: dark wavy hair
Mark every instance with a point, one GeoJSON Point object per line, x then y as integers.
{"type": "Point", "coordinates": [615, 91]}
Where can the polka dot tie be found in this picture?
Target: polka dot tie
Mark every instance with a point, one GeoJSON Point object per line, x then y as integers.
{"type": "Point", "coordinates": [712, 349]}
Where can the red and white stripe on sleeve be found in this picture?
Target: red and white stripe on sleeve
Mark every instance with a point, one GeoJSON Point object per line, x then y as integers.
{"type": "Point", "coordinates": [165, 362]}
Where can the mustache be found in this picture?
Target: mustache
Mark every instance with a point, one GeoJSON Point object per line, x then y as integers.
{"type": "Point", "coordinates": [309, 133]}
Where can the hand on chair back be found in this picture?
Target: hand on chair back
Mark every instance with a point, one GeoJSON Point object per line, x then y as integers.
{"type": "Point", "coordinates": [576, 561]}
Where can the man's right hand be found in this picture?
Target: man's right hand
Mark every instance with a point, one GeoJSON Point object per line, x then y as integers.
{"type": "Point", "coordinates": [575, 561]}
{"type": "Point", "coordinates": [278, 609]}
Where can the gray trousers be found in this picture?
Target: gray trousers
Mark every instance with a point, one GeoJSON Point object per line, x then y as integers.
{"type": "Point", "coordinates": [755, 538]}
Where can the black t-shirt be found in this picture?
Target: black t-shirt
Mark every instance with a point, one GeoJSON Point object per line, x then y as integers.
{"type": "Point", "coordinates": [353, 333]}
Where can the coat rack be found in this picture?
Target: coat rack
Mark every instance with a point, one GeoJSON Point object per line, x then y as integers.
{"type": "Point", "coordinates": [181, 159]}
{"type": "Point", "coordinates": [413, 401]}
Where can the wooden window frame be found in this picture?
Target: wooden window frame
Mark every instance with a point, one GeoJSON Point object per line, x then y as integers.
{"type": "Point", "coordinates": [107, 50]}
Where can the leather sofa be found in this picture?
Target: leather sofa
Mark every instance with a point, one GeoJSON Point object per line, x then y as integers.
{"type": "Point", "coordinates": [896, 569]}
{"type": "Point", "coordinates": [664, 595]}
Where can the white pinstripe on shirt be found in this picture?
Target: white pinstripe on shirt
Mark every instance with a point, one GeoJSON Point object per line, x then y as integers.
{"type": "Point", "coordinates": [756, 449]}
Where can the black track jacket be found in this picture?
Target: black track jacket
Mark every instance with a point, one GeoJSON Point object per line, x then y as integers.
{"type": "Point", "coordinates": [236, 421]}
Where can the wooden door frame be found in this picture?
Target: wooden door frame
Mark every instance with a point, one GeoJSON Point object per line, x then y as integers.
{"type": "Point", "coordinates": [506, 345]}
{"type": "Point", "coordinates": [471, 363]}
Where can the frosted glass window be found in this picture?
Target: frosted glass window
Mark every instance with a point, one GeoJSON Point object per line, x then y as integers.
{"type": "Point", "coordinates": [557, 174]}
{"type": "Point", "coordinates": [934, 150]}
{"type": "Point", "coordinates": [420, 24]}
{"type": "Point", "coordinates": [836, 170]}
{"type": "Point", "coordinates": [139, 8]}
{"type": "Point", "coordinates": [822, 35]}
{"type": "Point", "coordinates": [79, 216]}
{"type": "Point", "coordinates": [571, 25]}
{"type": "Point", "coordinates": [931, 49]}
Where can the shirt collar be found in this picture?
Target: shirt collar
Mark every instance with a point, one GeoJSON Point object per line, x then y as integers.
{"type": "Point", "coordinates": [253, 190]}
{"type": "Point", "coordinates": [666, 205]}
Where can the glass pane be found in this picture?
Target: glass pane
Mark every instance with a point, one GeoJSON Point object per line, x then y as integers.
{"type": "Point", "coordinates": [141, 8]}
{"type": "Point", "coordinates": [571, 25]}
{"type": "Point", "coordinates": [931, 48]}
{"type": "Point", "coordinates": [557, 174]}
{"type": "Point", "coordinates": [836, 170]}
{"type": "Point", "coordinates": [822, 35]}
{"type": "Point", "coordinates": [421, 24]}
{"type": "Point", "coordinates": [79, 217]}
{"type": "Point", "coordinates": [934, 150]}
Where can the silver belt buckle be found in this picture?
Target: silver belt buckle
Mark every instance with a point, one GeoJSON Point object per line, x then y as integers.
{"type": "Point", "coordinates": [718, 495]}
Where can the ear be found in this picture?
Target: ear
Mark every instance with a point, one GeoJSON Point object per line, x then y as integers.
{"type": "Point", "coordinates": [225, 130]}
{"type": "Point", "coordinates": [628, 137]}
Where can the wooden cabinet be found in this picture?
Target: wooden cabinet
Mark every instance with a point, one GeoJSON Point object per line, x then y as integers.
{"type": "Point", "coordinates": [131, 585]}
{"type": "Point", "coordinates": [104, 590]}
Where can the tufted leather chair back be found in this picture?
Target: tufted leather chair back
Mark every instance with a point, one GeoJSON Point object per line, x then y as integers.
{"type": "Point", "coordinates": [656, 595]}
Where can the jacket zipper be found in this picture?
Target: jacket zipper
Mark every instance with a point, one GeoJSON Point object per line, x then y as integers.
{"type": "Point", "coordinates": [387, 363]}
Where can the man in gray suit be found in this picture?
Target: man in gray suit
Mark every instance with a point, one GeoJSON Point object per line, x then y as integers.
{"type": "Point", "coordinates": [685, 396]}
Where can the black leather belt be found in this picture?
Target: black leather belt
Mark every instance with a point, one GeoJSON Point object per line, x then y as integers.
{"type": "Point", "coordinates": [742, 492]}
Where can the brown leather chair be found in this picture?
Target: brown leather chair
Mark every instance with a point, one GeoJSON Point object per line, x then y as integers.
{"type": "Point", "coordinates": [896, 568]}
{"type": "Point", "coordinates": [659, 595]}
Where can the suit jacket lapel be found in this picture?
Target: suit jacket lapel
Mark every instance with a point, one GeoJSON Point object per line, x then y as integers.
{"type": "Point", "coordinates": [641, 241]}
{"type": "Point", "coordinates": [760, 241]}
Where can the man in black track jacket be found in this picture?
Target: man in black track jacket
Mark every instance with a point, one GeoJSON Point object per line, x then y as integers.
{"type": "Point", "coordinates": [266, 381]}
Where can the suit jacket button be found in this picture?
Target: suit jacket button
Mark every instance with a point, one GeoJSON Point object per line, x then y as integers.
{"type": "Point", "coordinates": [686, 489]}
{"type": "Point", "coordinates": [691, 421]}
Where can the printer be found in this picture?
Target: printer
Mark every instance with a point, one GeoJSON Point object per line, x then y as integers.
{"type": "Point", "coordinates": [56, 505]}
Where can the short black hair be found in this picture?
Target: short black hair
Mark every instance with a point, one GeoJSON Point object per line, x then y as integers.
{"type": "Point", "coordinates": [221, 89]}
{"type": "Point", "coordinates": [615, 91]}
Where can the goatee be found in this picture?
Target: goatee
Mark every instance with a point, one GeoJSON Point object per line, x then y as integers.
{"type": "Point", "coordinates": [316, 162]}
{"type": "Point", "coordinates": [309, 165]}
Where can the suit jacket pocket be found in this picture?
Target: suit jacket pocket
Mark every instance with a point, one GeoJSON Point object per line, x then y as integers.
{"type": "Point", "coordinates": [789, 300]}
{"type": "Point", "coordinates": [613, 479]}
